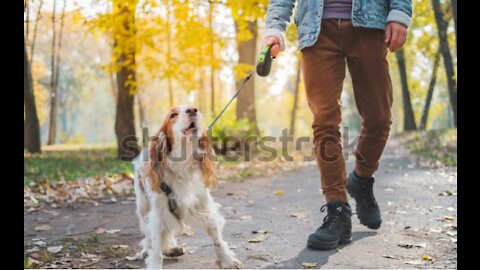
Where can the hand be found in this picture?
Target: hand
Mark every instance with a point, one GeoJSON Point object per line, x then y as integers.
{"type": "Point", "coordinates": [274, 42]}
{"type": "Point", "coordinates": [395, 35]}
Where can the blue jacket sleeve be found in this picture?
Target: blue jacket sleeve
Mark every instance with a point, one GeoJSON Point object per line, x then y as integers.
{"type": "Point", "coordinates": [278, 16]}
{"type": "Point", "coordinates": [400, 11]}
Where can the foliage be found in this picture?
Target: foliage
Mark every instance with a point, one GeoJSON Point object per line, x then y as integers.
{"type": "Point", "coordinates": [434, 145]}
{"type": "Point", "coordinates": [70, 162]}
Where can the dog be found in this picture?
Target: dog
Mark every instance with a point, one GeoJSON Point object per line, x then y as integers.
{"type": "Point", "coordinates": [172, 182]}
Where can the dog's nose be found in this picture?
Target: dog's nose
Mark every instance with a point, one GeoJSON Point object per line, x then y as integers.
{"type": "Point", "coordinates": [192, 112]}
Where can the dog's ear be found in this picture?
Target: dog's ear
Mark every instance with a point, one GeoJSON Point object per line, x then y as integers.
{"type": "Point", "coordinates": [210, 178]}
{"type": "Point", "coordinates": [155, 168]}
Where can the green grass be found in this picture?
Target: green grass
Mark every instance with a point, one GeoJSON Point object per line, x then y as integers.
{"type": "Point", "coordinates": [436, 145]}
{"type": "Point", "coordinates": [73, 162]}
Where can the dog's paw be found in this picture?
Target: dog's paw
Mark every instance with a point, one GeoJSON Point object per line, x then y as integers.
{"type": "Point", "coordinates": [229, 263]}
{"type": "Point", "coordinates": [174, 252]}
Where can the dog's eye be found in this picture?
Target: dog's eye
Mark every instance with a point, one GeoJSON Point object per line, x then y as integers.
{"type": "Point", "coordinates": [173, 115]}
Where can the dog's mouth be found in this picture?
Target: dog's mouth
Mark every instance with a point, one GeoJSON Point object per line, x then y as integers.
{"type": "Point", "coordinates": [190, 130]}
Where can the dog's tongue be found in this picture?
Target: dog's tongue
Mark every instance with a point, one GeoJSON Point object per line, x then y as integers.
{"type": "Point", "coordinates": [188, 131]}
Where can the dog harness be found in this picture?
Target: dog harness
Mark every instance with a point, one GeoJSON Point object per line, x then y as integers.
{"type": "Point", "coordinates": [172, 204]}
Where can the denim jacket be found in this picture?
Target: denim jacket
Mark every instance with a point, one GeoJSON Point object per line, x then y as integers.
{"type": "Point", "coordinates": [365, 13]}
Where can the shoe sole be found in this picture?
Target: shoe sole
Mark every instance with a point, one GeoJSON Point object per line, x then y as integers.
{"type": "Point", "coordinates": [329, 246]}
{"type": "Point", "coordinates": [373, 226]}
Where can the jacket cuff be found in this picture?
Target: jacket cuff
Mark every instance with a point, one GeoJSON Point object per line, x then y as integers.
{"type": "Point", "coordinates": [278, 34]}
{"type": "Point", "coordinates": [399, 16]}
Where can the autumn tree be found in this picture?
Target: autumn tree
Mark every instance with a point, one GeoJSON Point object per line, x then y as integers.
{"type": "Point", "coordinates": [32, 127]}
{"type": "Point", "coordinates": [408, 114]}
{"type": "Point", "coordinates": [442, 25]}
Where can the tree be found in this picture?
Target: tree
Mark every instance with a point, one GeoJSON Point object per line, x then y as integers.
{"type": "Point", "coordinates": [125, 49]}
{"type": "Point", "coordinates": [442, 26]}
{"type": "Point", "coordinates": [431, 87]}
{"type": "Point", "coordinates": [454, 11]}
{"type": "Point", "coordinates": [295, 97]}
{"type": "Point", "coordinates": [37, 19]}
{"type": "Point", "coordinates": [408, 115]}
{"type": "Point", "coordinates": [246, 14]}
{"type": "Point", "coordinates": [53, 86]}
{"type": "Point", "coordinates": [32, 127]}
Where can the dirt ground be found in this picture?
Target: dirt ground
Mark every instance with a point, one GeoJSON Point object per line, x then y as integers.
{"type": "Point", "coordinates": [268, 222]}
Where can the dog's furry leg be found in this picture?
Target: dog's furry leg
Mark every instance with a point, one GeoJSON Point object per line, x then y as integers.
{"type": "Point", "coordinates": [214, 225]}
{"type": "Point", "coordinates": [155, 227]}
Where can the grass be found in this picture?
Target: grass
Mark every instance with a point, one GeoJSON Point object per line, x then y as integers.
{"type": "Point", "coordinates": [434, 145]}
{"type": "Point", "coordinates": [73, 162]}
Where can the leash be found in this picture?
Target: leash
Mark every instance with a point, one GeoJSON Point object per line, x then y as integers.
{"type": "Point", "coordinates": [228, 104]}
{"type": "Point", "coordinates": [172, 204]}
{"type": "Point", "coordinates": [263, 69]}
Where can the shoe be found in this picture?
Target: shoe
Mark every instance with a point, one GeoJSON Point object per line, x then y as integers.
{"type": "Point", "coordinates": [336, 228]}
{"type": "Point", "coordinates": [361, 190]}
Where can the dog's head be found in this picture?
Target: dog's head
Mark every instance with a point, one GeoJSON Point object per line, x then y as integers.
{"type": "Point", "coordinates": [182, 127]}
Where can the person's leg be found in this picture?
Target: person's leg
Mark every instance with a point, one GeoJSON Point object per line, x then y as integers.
{"type": "Point", "coordinates": [372, 87]}
{"type": "Point", "coordinates": [367, 63]}
{"type": "Point", "coordinates": [323, 72]}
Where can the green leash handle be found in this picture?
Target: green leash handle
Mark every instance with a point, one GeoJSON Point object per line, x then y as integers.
{"type": "Point", "coordinates": [264, 62]}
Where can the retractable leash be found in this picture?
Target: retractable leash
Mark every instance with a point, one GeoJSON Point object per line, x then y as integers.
{"type": "Point", "coordinates": [264, 64]}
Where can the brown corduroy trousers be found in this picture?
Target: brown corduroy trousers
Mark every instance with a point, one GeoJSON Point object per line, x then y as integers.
{"type": "Point", "coordinates": [364, 51]}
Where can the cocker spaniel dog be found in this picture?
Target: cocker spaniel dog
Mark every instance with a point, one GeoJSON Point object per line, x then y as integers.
{"type": "Point", "coordinates": [172, 182]}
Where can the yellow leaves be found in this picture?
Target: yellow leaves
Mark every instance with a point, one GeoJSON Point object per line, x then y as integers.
{"type": "Point", "coordinates": [279, 192]}
{"type": "Point", "coordinates": [241, 70]}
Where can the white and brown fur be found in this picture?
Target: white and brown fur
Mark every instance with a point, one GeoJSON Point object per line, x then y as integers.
{"type": "Point", "coordinates": [190, 178]}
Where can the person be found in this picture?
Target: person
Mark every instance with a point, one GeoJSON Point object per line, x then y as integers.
{"type": "Point", "coordinates": [334, 34]}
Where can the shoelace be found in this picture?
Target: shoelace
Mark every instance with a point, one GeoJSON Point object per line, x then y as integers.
{"type": "Point", "coordinates": [327, 220]}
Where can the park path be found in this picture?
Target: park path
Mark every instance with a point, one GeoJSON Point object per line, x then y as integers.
{"type": "Point", "coordinates": [419, 209]}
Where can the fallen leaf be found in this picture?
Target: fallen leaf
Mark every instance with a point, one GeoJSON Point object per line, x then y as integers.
{"type": "Point", "coordinates": [413, 262]}
{"type": "Point", "coordinates": [309, 264]}
{"type": "Point", "coordinates": [452, 233]}
{"type": "Point", "coordinates": [408, 245]}
{"type": "Point", "coordinates": [112, 231]}
{"type": "Point", "coordinates": [445, 193]}
{"type": "Point", "coordinates": [100, 231]}
{"type": "Point", "coordinates": [246, 217]}
{"type": "Point", "coordinates": [120, 246]}
{"type": "Point", "coordinates": [448, 218]}
{"type": "Point", "coordinates": [434, 230]}
{"type": "Point", "coordinates": [34, 249]}
{"type": "Point", "coordinates": [131, 258]}
{"type": "Point", "coordinates": [407, 227]}
{"type": "Point", "coordinates": [298, 215]}
{"type": "Point", "coordinates": [259, 232]}
{"type": "Point", "coordinates": [427, 258]}
{"type": "Point", "coordinates": [255, 240]}
{"type": "Point", "coordinates": [32, 263]}
{"type": "Point", "coordinates": [54, 249]}
{"type": "Point", "coordinates": [44, 227]}
{"type": "Point", "coordinates": [451, 209]}
{"type": "Point", "coordinates": [390, 257]}
{"type": "Point", "coordinates": [40, 243]}
{"type": "Point", "coordinates": [279, 192]}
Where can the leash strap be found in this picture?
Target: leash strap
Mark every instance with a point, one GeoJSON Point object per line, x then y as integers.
{"type": "Point", "coordinates": [228, 104]}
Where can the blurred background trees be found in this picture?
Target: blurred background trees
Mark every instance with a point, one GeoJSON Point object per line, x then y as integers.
{"type": "Point", "coordinates": [98, 71]}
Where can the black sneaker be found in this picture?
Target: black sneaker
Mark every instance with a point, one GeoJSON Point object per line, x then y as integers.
{"type": "Point", "coordinates": [361, 190]}
{"type": "Point", "coordinates": [336, 228]}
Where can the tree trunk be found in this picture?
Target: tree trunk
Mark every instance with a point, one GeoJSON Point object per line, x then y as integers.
{"type": "Point", "coordinates": [246, 99]}
{"type": "Point", "coordinates": [408, 115]}
{"type": "Point", "coordinates": [447, 57]}
{"type": "Point", "coordinates": [212, 59]}
{"type": "Point", "coordinates": [428, 100]}
{"type": "Point", "coordinates": [26, 8]}
{"type": "Point", "coordinates": [125, 120]}
{"type": "Point", "coordinates": [32, 46]}
{"type": "Point", "coordinates": [141, 111]}
{"type": "Point", "coordinates": [31, 125]}
{"type": "Point", "coordinates": [53, 87]}
{"type": "Point", "coordinates": [454, 11]}
{"type": "Point", "coordinates": [295, 97]}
